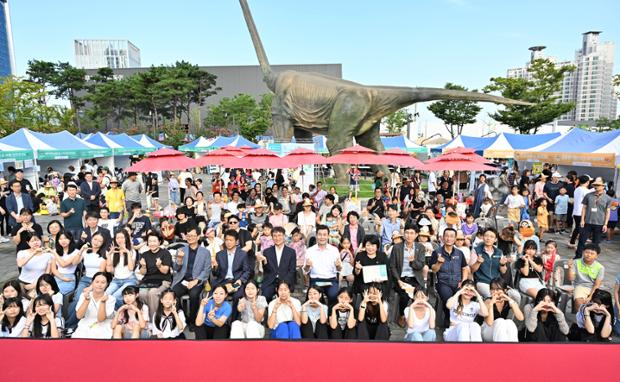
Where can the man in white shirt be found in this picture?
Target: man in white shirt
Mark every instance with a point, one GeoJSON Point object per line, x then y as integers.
{"type": "Point", "coordinates": [432, 184]}
{"type": "Point", "coordinates": [323, 264]}
{"type": "Point", "coordinates": [580, 193]}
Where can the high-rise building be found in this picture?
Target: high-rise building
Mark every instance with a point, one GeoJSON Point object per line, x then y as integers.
{"type": "Point", "coordinates": [7, 57]}
{"type": "Point", "coordinates": [115, 54]}
{"type": "Point", "coordinates": [590, 86]}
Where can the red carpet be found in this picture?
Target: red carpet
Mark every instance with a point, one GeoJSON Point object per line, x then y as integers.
{"type": "Point", "coordinates": [91, 360]}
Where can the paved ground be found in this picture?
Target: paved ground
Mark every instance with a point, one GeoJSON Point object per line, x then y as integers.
{"type": "Point", "coordinates": [610, 258]}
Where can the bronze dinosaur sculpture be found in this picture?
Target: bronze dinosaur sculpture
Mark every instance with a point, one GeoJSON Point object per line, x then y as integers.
{"type": "Point", "coordinates": [307, 103]}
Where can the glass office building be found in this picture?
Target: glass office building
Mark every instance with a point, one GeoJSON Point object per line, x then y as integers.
{"type": "Point", "coordinates": [7, 65]}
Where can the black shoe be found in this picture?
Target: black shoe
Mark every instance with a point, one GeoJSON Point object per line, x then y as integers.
{"type": "Point", "coordinates": [192, 328]}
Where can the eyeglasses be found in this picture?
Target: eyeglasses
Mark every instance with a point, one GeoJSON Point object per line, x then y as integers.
{"type": "Point", "coordinates": [233, 222]}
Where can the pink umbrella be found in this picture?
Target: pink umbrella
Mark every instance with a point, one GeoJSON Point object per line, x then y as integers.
{"type": "Point", "coordinates": [461, 153]}
{"type": "Point", "coordinates": [219, 157]}
{"type": "Point", "coordinates": [456, 164]}
{"type": "Point", "coordinates": [301, 156]}
{"type": "Point", "coordinates": [164, 159]}
{"type": "Point", "coordinates": [257, 159]}
{"type": "Point", "coordinates": [399, 157]}
{"type": "Point", "coordinates": [355, 155]}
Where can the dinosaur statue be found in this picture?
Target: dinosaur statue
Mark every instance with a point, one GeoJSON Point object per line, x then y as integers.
{"type": "Point", "coordinates": [307, 103]}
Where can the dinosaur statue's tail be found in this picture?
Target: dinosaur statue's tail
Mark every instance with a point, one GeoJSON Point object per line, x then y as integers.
{"type": "Point", "coordinates": [434, 94]}
{"type": "Point", "coordinates": [268, 75]}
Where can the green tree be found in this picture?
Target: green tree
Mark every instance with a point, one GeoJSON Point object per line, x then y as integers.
{"type": "Point", "coordinates": [62, 81]}
{"type": "Point", "coordinates": [241, 114]}
{"type": "Point", "coordinates": [606, 124]}
{"type": "Point", "coordinates": [396, 122]}
{"type": "Point", "coordinates": [174, 134]}
{"type": "Point", "coordinates": [20, 107]}
{"type": "Point", "coordinates": [541, 91]}
{"type": "Point", "coordinates": [455, 114]}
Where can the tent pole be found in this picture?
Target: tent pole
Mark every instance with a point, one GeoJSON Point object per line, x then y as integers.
{"type": "Point", "coordinates": [36, 169]}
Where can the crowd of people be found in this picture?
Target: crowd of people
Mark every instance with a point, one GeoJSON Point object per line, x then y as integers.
{"type": "Point", "coordinates": [252, 256]}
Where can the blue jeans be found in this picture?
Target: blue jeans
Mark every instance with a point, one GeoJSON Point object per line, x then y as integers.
{"type": "Point", "coordinates": [66, 287]}
{"type": "Point", "coordinates": [117, 286]}
{"type": "Point", "coordinates": [427, 336]}
{"type": "Point", "coordinates": [72, 320]}
{"type": "Point", "coordinates": [174, 196]}
{"type": "Point", "coordinates": [286, 331]}
{"type": "Point", "coordinates": [331, 291]}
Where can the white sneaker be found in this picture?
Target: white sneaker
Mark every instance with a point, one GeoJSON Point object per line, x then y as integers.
{"type": "Point", "coordinates": [4, 239]}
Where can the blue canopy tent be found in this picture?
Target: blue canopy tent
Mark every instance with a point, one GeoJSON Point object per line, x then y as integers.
{"type": "Point", "coordinates": [505, 144]}
{"type": "Point", "coordinates": [201, 144]}
{"type": "Point", "coordinates": [403, 143]}
{"type": "Point", "coordinates": [147, 141]}
{"type": "Point", "coordinates": [63, 148]}
{"type": "Point", "coordinates": [577, 148]}
{"type": "Point", "coordinates": [129, 145]}
{"type": "Point", "coordinates": [477, 143]}
{"type": "Point", "coordinates": [234, 141]}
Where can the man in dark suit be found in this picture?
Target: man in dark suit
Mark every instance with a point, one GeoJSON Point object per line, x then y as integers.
{"type": "Point", "coordinates": [407, 267]}
{"type": "Point", "coordinates": [15, 202]}
{"type": "Point", "coordinates": [90, 191]}
{"type": "Point", "coordinates": [232, 267]}
{"type": "Point", "coordinates": [192, 267]}
{"type": "Point", "coordinates": [279, 263]}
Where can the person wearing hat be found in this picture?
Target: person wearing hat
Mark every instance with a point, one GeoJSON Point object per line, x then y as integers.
{"type": "Point", "coordinates": [133, 190]}
{"type": "Point", "coordinates": [306, 219]}
{"type": "Point", "coordinates": [115, 199]}
{"type": "Point", "coordinates": [406, 267]}
{"type": "Point", "coordinates": [580, 193]}
{"type": "Point", "coordinates": [90, 191]}
{"type": "Point", "coordinates": [258, 217]}
{"type": "Point", "coordinates": [596, 208]}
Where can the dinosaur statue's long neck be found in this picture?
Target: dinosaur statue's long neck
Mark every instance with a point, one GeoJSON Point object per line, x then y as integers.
{"type": "Point", "coordinates": [268, 76]}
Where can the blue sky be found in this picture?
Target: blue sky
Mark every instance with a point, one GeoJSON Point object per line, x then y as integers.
{"type": "Point", "coordinates": [389, 42]}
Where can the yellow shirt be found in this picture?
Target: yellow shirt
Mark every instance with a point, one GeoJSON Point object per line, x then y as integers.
{"type": "Point", "coordinates": [115, 199]}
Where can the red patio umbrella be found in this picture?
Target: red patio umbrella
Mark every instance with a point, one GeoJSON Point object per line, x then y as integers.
{"type": "Point", "coordinates": [456, 164]}
{"type": "Point", "coordinates": [461, 153]}
{"type": "Point", "coordinates": [164, 159]}
{"type": "Point", "coordinates": [257, 159]}
{"type": "Point", "coordinates": [301, 156]}
{"type": "Point", "coordinates": [399, 157]}
{"type": "Point", "coordinates": [355, 155]}
{"type": "Point", "coordinates": [219, 157]}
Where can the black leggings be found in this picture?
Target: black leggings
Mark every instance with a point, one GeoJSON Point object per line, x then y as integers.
{"type": "Point", "coordinates": [339, 334]}
{"type": "Point", "coordinates": [545, 333]}
{"type": "Point", "coordinates": [204, 332]}
{"type": "Point", "coordinates": [576, 228]}
{"type": "Point", "coordinates": [5, 229]}
{"type": "Point", "coordinates": [319, 332]}
{"type": "Point", "coordinates": [377, 332]}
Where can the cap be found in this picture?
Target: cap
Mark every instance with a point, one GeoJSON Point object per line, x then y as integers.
{"type": "Point", "coordinates": [598, 181]}
{"type": "Point", "coordinates": [556, 175]}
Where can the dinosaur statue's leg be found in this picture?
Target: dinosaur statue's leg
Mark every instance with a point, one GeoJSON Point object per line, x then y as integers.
{"type": "Point", "coordinates": [345, 119]}
{"type": "Point", "coordinates": [282, 125]}
{"type": "Point", "coordinates": [372, 140]}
